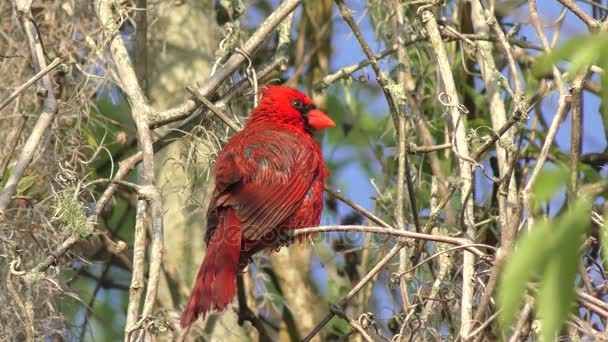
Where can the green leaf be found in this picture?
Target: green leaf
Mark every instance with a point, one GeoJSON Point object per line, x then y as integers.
{"type": "Point", "coordinates": [7, 175]}
{"type": "Point", "coordinates": [590, 175]}
{"type": "Point", "coordinates": [555, 296]}
{"type": "Point", "coordinates": [26, 183]}
{"type": "Point", "coordinates": [548, 183]}
{"type": "Point", "coordinates": [578, 51]}
{"type": "Point", "coordinates": [532, 83]}
{"type": "Point", "coordinates": [527, 260]}
{"type": "Point", "coordinates": [557, 290]}
{"type": "Point", "coordinates": [604, 93]}
{"type": "Point", "coordinates": [604, 240]}
{"type": "Point", "coordinates": [551, 251]}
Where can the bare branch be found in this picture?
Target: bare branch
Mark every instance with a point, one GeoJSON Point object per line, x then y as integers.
{"type": "Point", "coordinates": [591, 23]}
{"type": "Point", "coordinates": [466, 244]}
{"type": "Point", "coordinates": [460, 148]}
{"type": "Point", "coordinates": [136, 289]}
{"type": "Point", "coordinates": [355, 289]}
{"type": "Point", "coordinates": [213, 109]}
{"type": "Point", "coordinates": [49, 109]}
{"type": "Point", "coordinates": [140, 110]}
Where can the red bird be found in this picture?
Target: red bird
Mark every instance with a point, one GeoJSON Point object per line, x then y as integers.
{"type": "Point", "coordinates": [268, 178]}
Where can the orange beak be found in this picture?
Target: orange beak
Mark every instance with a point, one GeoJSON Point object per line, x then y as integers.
{"type": "Point", "coordinates": [319, 120]}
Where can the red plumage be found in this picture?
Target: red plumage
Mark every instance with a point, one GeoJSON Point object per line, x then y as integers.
{"type": "Point", "coordinates": [268, 178]}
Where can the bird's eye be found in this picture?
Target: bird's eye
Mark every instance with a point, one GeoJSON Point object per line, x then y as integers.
{"type": "Point", "coordinates": [297, 104]}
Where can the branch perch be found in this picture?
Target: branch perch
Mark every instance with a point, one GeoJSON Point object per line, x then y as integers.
{"type": "Point", "coordinates": [140, 110]}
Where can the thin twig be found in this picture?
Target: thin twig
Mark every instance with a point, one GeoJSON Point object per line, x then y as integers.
{"type": "Point", "coordinates": [245, 313]}
{"type": "Point", "coordinates": [483, 326]}
{"type": "Point", "coordinates": [380, 77]}
{"type": "Point", "coordinates": [428, 149]}
{"type": "Point", "coordinates": [598, 305]}
{"type": "Point", "coordinates": [141, 45]}
{"type": "Point", "coordinates": [112, 181]}
{"type": "Point", "coordinates": [355, 206]}
{"type": "Point", "coordinates": [521, 321]}
{"type": "Point", "coordinates": [57, 253]}
{"type": "Point", "coordinates": [123, 170]}
{"type": "Point", "coordinates": [12, 145]}
{"type": "Point", "coordinates": [557, 119]}
{"type": "Point", "coordinates": [349, 70]}
{"type": "Point", "coordinates": [357, 326]}
{"type": "Point", "coordinates": [466, 244]}
{"type": "Point", "coordinates": [379, 266]}
{"type": "Point", "coordinates": [213, 108]}
{"type": "Point", "coordinates": [29, 82]}
{"type": "Point", "coordinates": [89, 307]}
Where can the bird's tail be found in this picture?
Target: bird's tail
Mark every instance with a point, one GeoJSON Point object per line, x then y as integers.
{"type": "Point", "coordinates": [215, 285]}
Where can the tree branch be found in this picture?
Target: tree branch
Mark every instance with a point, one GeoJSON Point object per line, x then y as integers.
{"type": "Point", "coordinates": [461, 150]}
{"type": "Point", "coordinates": [49, 109]}
{"type": "Point", "coordinates": [140, 110]}
{"type": "Point", "coordinates": [232, 64]}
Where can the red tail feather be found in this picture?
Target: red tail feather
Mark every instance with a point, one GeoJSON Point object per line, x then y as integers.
{"type": "Point", "coordinates": [215, 285]}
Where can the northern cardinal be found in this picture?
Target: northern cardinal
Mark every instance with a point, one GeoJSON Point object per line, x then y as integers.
{"type": "Point", "coordinates": [268, 179]}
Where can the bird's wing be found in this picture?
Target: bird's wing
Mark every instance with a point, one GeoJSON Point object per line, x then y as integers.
{"type": "Point", "coordinates": [264, 176]}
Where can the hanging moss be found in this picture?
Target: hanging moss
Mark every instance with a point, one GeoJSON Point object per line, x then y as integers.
{"type": "Point", "coordinates": [70, 213]}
